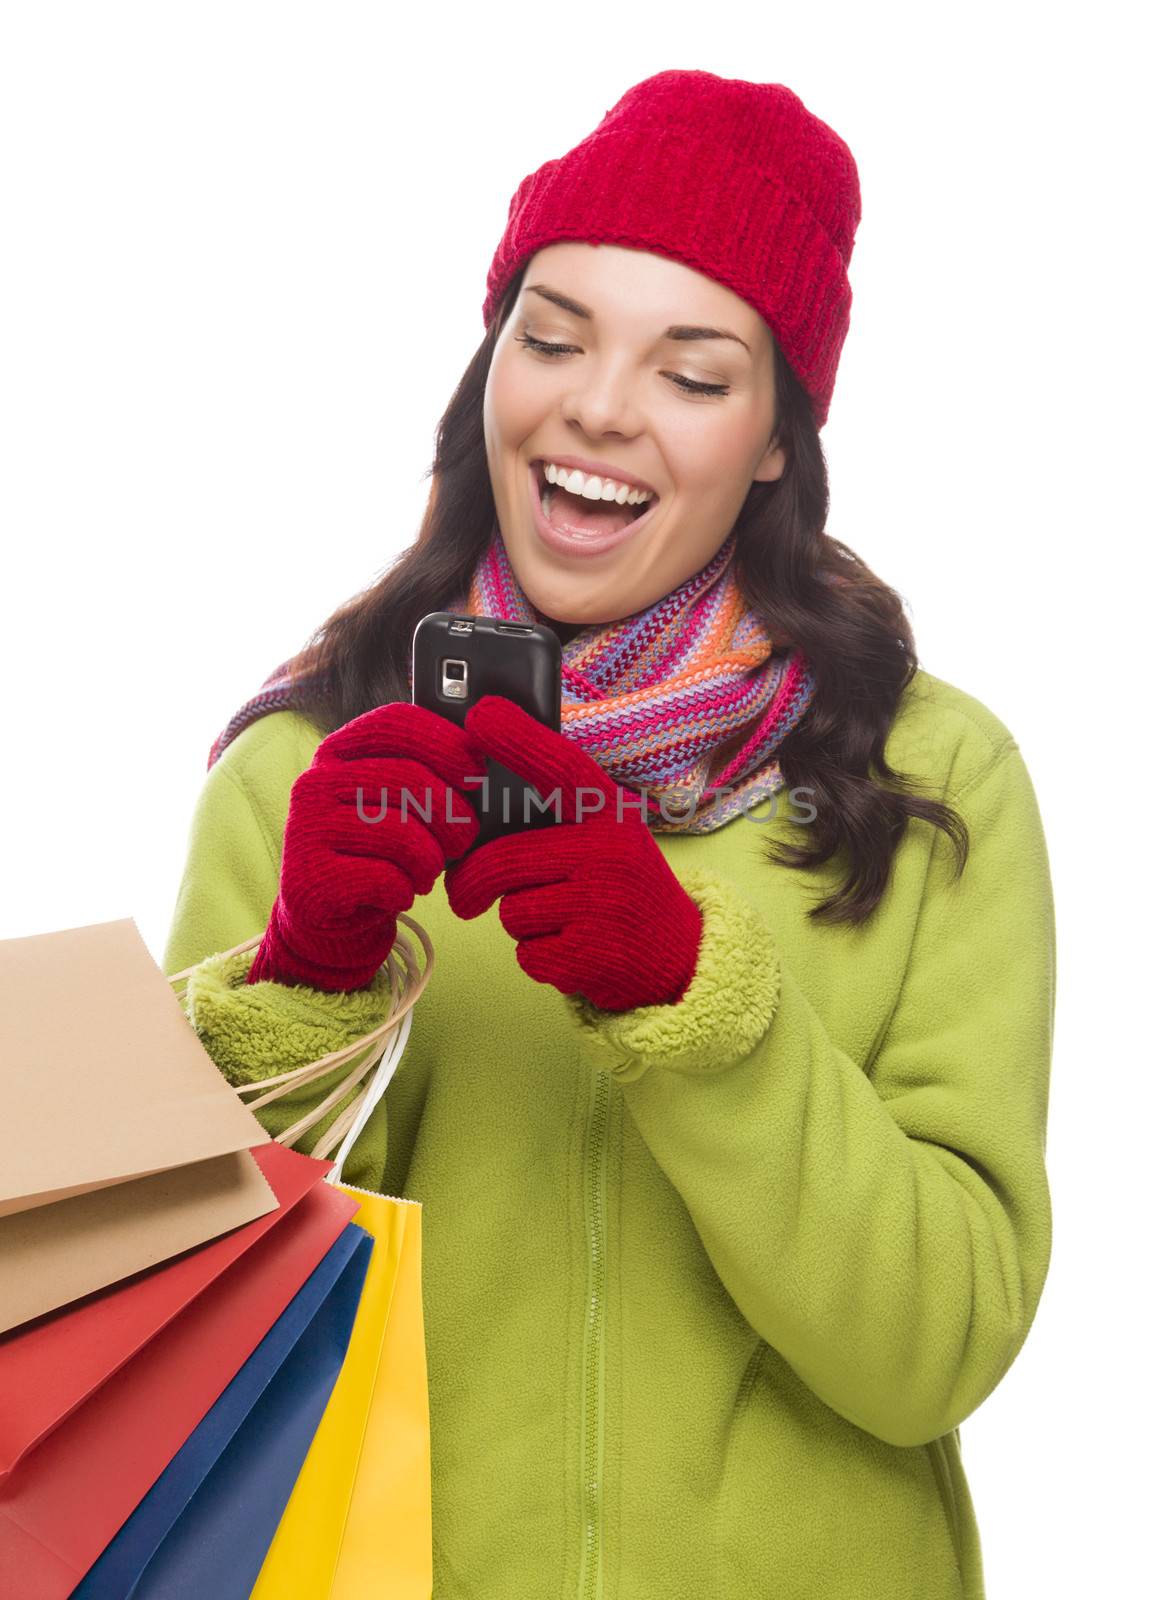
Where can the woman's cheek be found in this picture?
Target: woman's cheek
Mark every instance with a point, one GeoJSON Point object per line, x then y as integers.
{"type": "Point", "coordinates": [519, 398]}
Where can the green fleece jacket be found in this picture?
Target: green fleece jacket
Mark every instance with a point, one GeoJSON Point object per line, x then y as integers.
{"type": "Point", "coordinates": [708, 1288]}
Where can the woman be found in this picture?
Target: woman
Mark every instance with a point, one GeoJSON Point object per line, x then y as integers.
{"type": "Point", "coordinates": [730, 1126]}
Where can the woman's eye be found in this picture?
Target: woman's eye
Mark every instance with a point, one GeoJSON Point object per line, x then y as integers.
{"type": "Point", "coordinates": [545, 348]}
{"type": "Point", "coordinates": [542, 346]}
{"type": "Point", "coordinates": [698, 388]}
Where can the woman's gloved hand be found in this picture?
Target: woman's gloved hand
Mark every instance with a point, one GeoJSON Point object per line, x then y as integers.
{"type": "Point", "coordinates": [593, 904]}
{"type": "Point", "coordinates": [347, 870]}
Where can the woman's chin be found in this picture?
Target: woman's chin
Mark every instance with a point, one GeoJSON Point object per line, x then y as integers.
{"type": "Point", "coordinates": [557, 597]}
{"type": "Point", "coordinates": [550, 594]}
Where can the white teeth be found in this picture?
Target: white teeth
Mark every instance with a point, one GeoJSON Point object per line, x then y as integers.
{"type": "Point", "coordinates": [592, 487]}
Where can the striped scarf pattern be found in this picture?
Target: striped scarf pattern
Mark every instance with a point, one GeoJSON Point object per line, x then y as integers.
{"type": "Point", "coordinates": [686, 702]}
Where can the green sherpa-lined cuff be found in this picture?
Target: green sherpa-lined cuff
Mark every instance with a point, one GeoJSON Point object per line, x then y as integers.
{"type": "Point", "coordinates": [725, 1010]}
{"type": "Point", "coordinates": [255, 1030]}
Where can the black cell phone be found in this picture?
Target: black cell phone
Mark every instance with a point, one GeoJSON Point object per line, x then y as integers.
{"type": "Point", "coordinates": [458, 659]}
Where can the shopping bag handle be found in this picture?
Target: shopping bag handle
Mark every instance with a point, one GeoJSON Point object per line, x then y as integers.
{"type": "Point", "coordinates": [376, 1052]}
{"type": "Point", "coordinates": [394, 1048]}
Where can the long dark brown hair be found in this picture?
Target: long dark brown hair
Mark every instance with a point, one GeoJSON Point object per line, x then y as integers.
{"type": "Point", "coordinates": [808, 587]}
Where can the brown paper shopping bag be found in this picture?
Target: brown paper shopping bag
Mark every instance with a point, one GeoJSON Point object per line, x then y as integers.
{"type": "Point", "coordinates": [124, 1145]}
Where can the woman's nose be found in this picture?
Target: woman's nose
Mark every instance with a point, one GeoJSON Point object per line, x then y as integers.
{"type": "Point", "coordinates": [601, 398]}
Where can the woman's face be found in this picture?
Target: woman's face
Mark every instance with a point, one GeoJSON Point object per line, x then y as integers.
{"type": "Point", "coordinates": [616, 398]}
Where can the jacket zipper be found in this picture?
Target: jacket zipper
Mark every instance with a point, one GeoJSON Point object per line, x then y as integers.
{"type": "Point", "coordinates": [595, 1207]}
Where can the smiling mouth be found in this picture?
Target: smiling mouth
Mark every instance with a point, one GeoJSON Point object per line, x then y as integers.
{"type": "Point", "coordinates": [574, 513]}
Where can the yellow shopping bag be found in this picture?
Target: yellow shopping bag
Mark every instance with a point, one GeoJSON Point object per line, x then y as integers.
{"type": "Point", "coordinates": [358, 1523]}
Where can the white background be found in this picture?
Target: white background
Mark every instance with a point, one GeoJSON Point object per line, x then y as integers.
{"type": "Point", "coordinates": [244, 255]}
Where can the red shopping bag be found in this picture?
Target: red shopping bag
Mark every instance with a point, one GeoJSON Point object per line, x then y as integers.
{"type": "Point", "coordinates": [84, 1449]}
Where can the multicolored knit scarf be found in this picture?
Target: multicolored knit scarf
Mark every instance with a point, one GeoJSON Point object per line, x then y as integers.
{"type": "Point", "coordinates": [686, 702]}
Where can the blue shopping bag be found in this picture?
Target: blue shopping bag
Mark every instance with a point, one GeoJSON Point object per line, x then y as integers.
{"type": "Point", "coordinates": [205, 1526]}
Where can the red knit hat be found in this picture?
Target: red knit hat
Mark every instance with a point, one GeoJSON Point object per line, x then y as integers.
{"type": "Point", "coordinates": [735, 179]}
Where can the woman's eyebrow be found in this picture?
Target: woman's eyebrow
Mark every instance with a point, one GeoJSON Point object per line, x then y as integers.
{"type": "Point", "coordinates": [676, 331]}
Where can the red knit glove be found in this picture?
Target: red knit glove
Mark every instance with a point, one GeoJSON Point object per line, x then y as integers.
{"type": "Point", "coordinates": [344, 879]}
{"type": "Point", "coordinates": [595, 907]}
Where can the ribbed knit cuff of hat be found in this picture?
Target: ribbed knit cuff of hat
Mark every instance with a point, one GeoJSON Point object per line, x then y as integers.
{"type": "Point", "coordinates": [255, 1030]}
{"type": "Point", "coordinates": [723, 1014]}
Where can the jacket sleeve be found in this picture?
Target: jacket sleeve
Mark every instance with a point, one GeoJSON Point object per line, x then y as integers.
{"type": "Point", "coordinates": [253, 1031]}
{"type": "Point", "coordinates": [230, 877]}
{"type": "Point", "coordinates": [887, 1232]}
